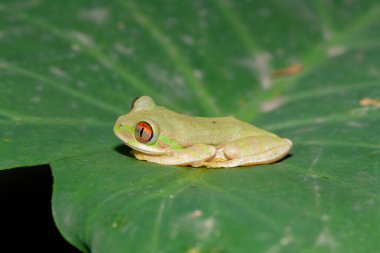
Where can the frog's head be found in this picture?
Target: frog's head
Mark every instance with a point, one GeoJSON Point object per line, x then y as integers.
{"type": "Point", "coordinates": [140, 128]}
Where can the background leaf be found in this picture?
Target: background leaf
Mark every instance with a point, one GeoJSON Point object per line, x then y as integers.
{"type": "Point", "coordinates": [69, 69]}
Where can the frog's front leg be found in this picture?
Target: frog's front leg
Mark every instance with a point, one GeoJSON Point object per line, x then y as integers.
{"type": "Point", "coordinates": [251, 151]}
{"type": "Point", "coordinates": [193, 155]}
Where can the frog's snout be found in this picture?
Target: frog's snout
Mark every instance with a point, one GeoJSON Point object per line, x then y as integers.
{"type": "Point", "coordinates": [118, 125]}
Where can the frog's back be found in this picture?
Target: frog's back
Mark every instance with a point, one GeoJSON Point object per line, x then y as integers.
{"type": "Point", "coordinates": [213, 131]}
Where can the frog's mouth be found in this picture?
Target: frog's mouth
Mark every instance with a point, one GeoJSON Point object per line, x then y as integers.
{"type": "Point", "coordinates": [148, 150]}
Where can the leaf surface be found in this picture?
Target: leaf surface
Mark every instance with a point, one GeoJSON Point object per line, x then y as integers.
{"type": "Point", "coordinates": [68, 70]}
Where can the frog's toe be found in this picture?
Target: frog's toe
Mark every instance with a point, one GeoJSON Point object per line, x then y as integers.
{"type": "Point", "coordinates": [288, 141]}
{"type": "Point", "coordinates": [232, 151]}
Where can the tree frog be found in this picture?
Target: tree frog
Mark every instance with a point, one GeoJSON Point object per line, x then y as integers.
{"type": "Point", "coordinates": [159, 135]}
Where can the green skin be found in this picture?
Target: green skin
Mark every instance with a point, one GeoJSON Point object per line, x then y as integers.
{"type": "Point", "coordinates": [180, 139]}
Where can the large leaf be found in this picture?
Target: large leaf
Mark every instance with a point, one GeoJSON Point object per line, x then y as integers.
{"type": "Point", "coordinates": [68, 69]}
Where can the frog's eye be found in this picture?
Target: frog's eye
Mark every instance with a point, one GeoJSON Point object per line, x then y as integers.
{"type": "Point", "coordinates": [146, 132]}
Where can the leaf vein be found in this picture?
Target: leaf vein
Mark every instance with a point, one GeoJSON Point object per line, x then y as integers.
{"type": "Point", "coordinates": [204, 97]}
{"type": "Point", "coordinates": [92, 50]}
{"type": "Point", "coordinates": [70, 91]}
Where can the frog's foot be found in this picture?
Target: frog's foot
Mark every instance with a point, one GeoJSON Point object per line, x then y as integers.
{"type": "Point", "coordinates": [251, 151]}
{"type": "Point", "coordinates": [193, 155]}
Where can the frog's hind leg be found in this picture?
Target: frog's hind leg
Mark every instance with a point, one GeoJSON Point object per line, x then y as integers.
{"type": "Point", "coordinates": [251, 151]}
{"type": "Point", "coordinates": [193, 155]}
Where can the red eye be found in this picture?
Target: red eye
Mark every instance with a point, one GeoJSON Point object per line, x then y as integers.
{"type": "Point", "coordinates": [143, 132]}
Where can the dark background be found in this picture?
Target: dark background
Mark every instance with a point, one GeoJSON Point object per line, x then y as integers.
{"type": "Point", "coordinates": [25, 209]}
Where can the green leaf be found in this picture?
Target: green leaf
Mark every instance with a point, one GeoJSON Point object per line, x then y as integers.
{"type": "Point", "coordinates": [69, 69]}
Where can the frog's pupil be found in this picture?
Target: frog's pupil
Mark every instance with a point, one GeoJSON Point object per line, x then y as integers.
{"type": "Point", "coordinates": [141, 132]}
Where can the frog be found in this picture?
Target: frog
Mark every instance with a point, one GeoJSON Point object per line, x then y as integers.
{"type": "Point", "coordinates": [159, 135]}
